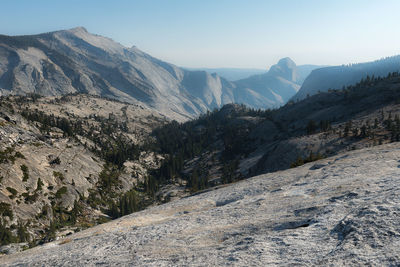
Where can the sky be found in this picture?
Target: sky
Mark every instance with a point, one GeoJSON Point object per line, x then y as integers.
{"type": "Point", "coordinates": [224, 33]}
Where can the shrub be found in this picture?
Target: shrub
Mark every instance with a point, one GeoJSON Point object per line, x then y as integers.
{"type": "Point", "coordinates": [61, 191]}
{"type": "Point", "coordinates": [29, 199]}
{"type": "Point", "coordinates": [6, 236]}
{"type": "Point", "coordinates": [300, 161]}
{"type": "Point", "coordinates": [39, 184]}
{"type": "Point", "coordinates": [5, 210]}
{"type": "Point", "coordinates": [19, 155]}
{"type": "Point", "coordinates": [12, 191]}
{"type": "Point", "coordinates": [22, 233]}
{"type": "Point", "coordinates": [25, 172]}
{"type": "Point", "coordinates": [55, 161]}
{"type": "Point", "coordinates": [6, 155]}
{"type": "Point", "coordinates": [59, 175]}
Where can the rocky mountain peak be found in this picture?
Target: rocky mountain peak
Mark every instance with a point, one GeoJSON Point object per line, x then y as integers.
{"type": "Point", "coordinates": [286, 68]}
{"type": "Point", "coordinates": [286, 62]}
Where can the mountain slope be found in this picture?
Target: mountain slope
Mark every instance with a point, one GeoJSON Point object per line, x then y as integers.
{"type": "Point", "coordinates": [58, 155]}
{"type": "Point", "coordinates": [348, 203]}
{"type": "Point", "coordinates": [323, 79]}
{"type": "Point", "coordinates": [304, 70]}
{"type": "Point", "coordinates": [70, 61]}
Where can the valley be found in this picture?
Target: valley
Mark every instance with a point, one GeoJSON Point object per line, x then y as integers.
{"type": "Point", "coordinates": [110, 156]}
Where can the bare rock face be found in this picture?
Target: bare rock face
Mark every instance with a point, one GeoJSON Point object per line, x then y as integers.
{"type": "Point", "coordinates": [342, 210]}
{"type": "Point", "coordinates": [285, 68]}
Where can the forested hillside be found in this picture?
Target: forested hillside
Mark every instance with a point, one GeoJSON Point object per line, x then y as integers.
{"type": "Point", "coordinates": [338, 77]}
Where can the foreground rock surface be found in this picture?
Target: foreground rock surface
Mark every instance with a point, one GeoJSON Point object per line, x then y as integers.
{"type": "Point", "coordinates": [339, 211]}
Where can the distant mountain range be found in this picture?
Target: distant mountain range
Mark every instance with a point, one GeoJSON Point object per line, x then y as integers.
{"type": "Point", "coordinates": [74, 60]}
{"type": "Point", "coordinates": [231, 74]}
{"type": "Point", "coordinates": [70, 61]}
{"type": "Point", "coordinates": [323, 79]}
{"type": "Point", "coordinates": [235, 74]}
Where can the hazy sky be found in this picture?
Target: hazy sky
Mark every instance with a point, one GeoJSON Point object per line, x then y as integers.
{"type": "Point", "coordinates": [224, 33]}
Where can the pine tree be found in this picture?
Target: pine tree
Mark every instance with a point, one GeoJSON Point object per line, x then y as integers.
{"type": "Point", "coordinates": [311, 127]}
{"type": "Point", "coordinates": [22, 234]}
{"type": "Point", "coordinates": [6, 236]}
{"type": "Point", "coordinates": [39, 184]}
